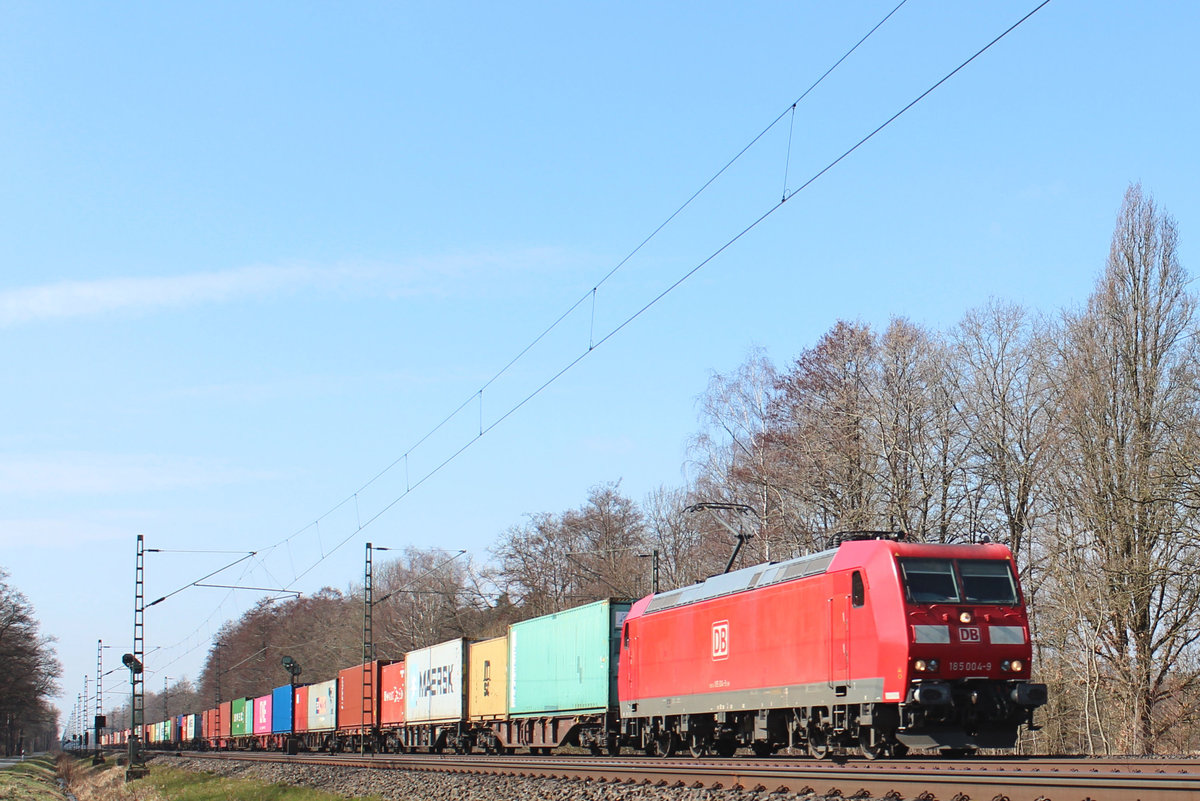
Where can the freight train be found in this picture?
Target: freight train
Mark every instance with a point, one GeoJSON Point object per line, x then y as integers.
{"type": "Point", "coordinates": [877, 645]}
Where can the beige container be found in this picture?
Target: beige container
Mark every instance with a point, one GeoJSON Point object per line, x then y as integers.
{"type": "Point", "coordinates": [489, 679]}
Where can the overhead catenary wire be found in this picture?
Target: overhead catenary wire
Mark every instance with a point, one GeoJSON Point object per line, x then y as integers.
{"type": "Point", "coordinates": [476, 396]}
{"type": "Point", "coordinates": [589, 294]}
{"type": "Point", "coordinates": [674, 285]}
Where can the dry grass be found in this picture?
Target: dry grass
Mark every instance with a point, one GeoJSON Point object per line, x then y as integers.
{"type": "Point", "coordinates": [181, 785]}
{"type": "Point", "coordinates": [104, 782]}
{"type": "Point", "coordinates": [107, 783]}
{"type": "Point", "coordinates": [31, 780]}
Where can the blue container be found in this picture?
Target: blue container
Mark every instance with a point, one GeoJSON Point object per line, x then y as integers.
{"type": "Point", "coordinates": [281, 710]}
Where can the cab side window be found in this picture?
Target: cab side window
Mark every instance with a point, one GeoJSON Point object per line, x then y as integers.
{"type": "Point", "coordinates": [858, 593]}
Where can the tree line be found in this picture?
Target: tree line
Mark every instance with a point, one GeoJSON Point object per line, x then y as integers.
{"type": "Point", "coordinates": [1072, 437]}
{"type": "Point", "coordinates": [29, 674]}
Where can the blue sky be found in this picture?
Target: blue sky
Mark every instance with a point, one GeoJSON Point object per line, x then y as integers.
{"type": "Point", "coordinates": [253, 252]}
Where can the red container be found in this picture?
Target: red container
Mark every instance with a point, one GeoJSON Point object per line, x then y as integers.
{"type": "Point", "coordinates": [300, 708]}
{"type": "Point", "coordinates": [226, 715]}
{"type": "Point", "coordinates": [352, 691]}
{"type": "Point", "coordinates": [391, 685]}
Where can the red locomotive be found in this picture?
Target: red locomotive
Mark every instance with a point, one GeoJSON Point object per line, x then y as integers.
{"type": "Point", "coordinates": [877, 644]}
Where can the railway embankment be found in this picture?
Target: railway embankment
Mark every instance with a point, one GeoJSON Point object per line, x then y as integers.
{"type": "Point", "coordinates": [33, 779]}
{"type": "Point", "coordinates": [399, 785]}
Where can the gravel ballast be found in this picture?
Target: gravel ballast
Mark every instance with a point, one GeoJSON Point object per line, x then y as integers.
{"type": "Point", "coordinates": [403, 785]}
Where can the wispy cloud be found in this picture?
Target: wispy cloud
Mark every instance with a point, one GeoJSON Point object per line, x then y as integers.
{"type": "Point", "coordinates": [68, 299]}
{"type": "Point", "coordinates": [87, 473]}
{"type": "Point", "coordinates": [64, 532]}
{"type": "Point", "coordinates": [433, 275]}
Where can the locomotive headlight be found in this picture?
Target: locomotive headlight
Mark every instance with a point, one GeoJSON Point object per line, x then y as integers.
{"type": "Point", "coordinates": [1005, 666]}
{"type": "Point", "coordinates": [1017, 665]}
{"type": "Point", "coordinates": [921, 665]}
{"type": "Point", "coordinates": [933, 666]}
{"type": "Point", "coordinates": [965, 617]}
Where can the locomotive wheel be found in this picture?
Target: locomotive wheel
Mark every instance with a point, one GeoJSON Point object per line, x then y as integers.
{"type": "Point", "coordinates": [726, 748]}
{"type": "Point", "coordinates": [899, 750]}
{"type": "Point", "coordinates": [761, 749]}
{"type": "Point", "coordinates": [870, 750]}
{"type": "Point", "coordinates": [698, 745]}
{"type": "Point", "coordinates": [818, 744]}
{"type": "Point", "coordinates": [665, 744]}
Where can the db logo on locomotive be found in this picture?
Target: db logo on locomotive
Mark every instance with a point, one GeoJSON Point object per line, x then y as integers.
{"type": "Point", "coordinates": [720, 639]}
{"type": "Point", "coordinates": [968, 634]}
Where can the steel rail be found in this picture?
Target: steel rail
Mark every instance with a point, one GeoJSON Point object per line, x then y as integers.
{"type": "Point", "coordinates": [929, 780]}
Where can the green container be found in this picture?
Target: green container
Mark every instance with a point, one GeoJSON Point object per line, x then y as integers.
{"type": "Point", "coordinates": [566, 662]}
{"type": "Point", "coordinates": [242, 723]}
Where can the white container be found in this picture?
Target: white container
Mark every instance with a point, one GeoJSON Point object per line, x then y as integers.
{"type": "Point", "coordinates": [322, 706]}
{"type": "Point", "coordinates": [435, 683]}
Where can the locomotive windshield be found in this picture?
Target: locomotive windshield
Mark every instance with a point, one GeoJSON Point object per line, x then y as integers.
{"type": "Point", "coordinates": [987, 581]}
{"type": "Point", "coordinates": [951, 581]}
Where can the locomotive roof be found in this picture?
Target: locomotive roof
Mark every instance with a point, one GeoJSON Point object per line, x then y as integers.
{"type": "Point", "coordinates": [744, 579]}
{"type": "Point", "coordinates": [769, 573]}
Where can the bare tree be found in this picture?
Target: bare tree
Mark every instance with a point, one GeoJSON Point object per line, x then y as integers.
{"type": "Point", "coordinates": [922, 446]}
{"type": "Point", "coordinates": [534, 569]}
{"type": "Point", "coordinates": [557, 561]}
{"type": "Point", "coordinates": [611, 534]}
{"type": "Point", "coordinates": [29, 672]}
{"type": "Point", "coordinates": [1009, 395]}
{"type": "Point", "coordinates": [824, 429]}
{"type": "Point", "coordinates": [422, 598]}
{"type": "Point", "coordinates": [1130, 413]}
{"type": "Point", "coordinates": [688, 550]}
{"type": "Point", "coordinates": [735, 457]}
{"type": "Point", "coordinates": [322, 631]}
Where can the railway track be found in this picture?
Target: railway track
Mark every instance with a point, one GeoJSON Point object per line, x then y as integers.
{"type": "Point", "coordinates": [991, 779]}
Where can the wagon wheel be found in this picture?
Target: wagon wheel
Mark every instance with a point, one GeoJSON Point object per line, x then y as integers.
{"type": "Point", "coordinates": [613, 745]}
{"type": "Point", "coordinates": [899, 750]}
{"type": "Point", "coordinates": [698, 745]}
{"type": "Point", "coordinates": [665, 744]}
{"type": "Point", "coordinates": [818, 744]}
{"type": "Point", "coordinates": [596, 749]}
{"type": "Point", "coordinates": [761, 748]}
